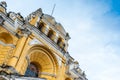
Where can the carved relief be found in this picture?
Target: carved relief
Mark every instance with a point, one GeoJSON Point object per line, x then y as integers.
{"type": "Point", "coordinates": [5, 53]}
{"type": "Point", "coordinates": [6, 47]}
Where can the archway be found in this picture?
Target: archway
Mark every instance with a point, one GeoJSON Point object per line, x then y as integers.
{"type": "Point", "coordinates": [45, 61]}
{"type": "Point", "coordinates": [32, 70]}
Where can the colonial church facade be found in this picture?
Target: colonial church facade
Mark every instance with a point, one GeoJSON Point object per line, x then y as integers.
{"type": "Point", "coordinates": [35, 48]}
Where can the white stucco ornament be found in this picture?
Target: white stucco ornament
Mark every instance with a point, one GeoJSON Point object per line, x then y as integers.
{"type": "Point", "coordinates": [35, 41]}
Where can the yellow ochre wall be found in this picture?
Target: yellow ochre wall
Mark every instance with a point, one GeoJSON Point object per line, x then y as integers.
{"type": "Point", "coordinates": [23, 53]}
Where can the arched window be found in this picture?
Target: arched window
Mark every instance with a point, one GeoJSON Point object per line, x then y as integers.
{"type": "Point", "coordinates": [32, 71]}
{"type": "Point", "coordinates": [59, 41]}
{"type": "Point", "coordinates": [50, 34]}
{"type": "Point", "coordinates": [63, 45]}
{"type": "Point", "coordinates": [41, 25]}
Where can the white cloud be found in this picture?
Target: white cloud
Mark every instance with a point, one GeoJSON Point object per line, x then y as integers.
{"type": "Point", "coordinates": [94, 43]}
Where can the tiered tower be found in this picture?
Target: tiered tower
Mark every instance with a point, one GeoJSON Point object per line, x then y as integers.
{"type": "Point", "coordinates": [35, 48]}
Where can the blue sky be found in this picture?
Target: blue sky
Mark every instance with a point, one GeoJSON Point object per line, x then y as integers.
{"type": "Point", "coordinates": [94, 27]}
{"type": "Point", "coordinates": [115, 6]}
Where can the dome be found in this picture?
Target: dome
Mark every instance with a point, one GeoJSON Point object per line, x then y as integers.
{"type": "Point", "coordinates": [60, 28]}
{"type": "Point", "coordinates": [49, 19]}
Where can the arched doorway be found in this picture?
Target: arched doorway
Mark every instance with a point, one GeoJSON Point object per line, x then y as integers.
{"type": "Point", "coordinates": [32, 70]}
{"type": "Point", "coordinates": [43, 61]}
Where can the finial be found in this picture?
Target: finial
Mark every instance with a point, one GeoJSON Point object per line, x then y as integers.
{"type": "Point", "coordinates": [3, 3]}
